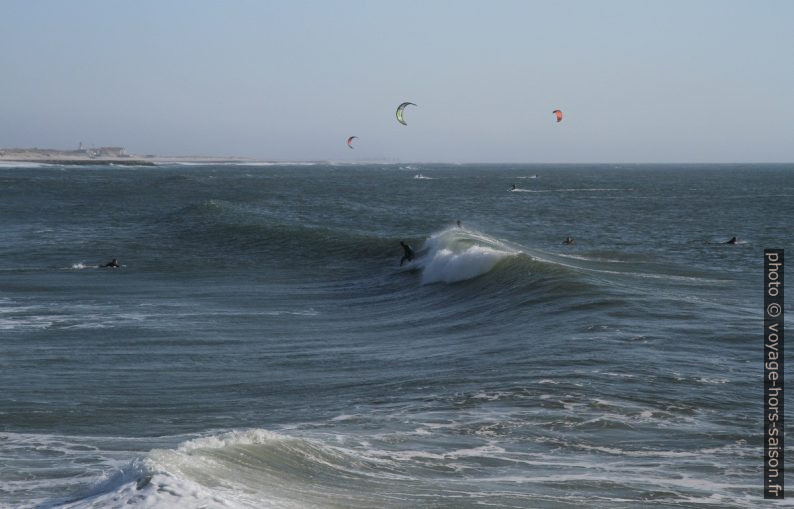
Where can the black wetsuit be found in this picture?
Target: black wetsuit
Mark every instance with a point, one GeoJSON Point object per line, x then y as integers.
{"type": "Point", "coordinates": [409, 254]}
{"type": "Point", "coordinates": [112, 264]}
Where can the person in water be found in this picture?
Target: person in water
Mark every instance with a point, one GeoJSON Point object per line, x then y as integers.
{"type": "Point", "coordinates": [514, 187]}
{"type": "Point", "coordinates": [568, 240]}
{"type": "Point", "coordinates": [113, 264]}
{"type": "Point", "coordinates": [409, 253]}
{"type": "Point", "coordinates": [733, 240]}
{"type": "Point", "coordinates": [459, 225]}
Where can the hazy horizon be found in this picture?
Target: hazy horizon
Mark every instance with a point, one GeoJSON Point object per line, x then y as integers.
{"type": "Point", "coordinates": [662, 82]}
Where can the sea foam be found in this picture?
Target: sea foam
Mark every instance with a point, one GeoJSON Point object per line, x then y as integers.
{"type": "Point", "coordinates": [457, 254]}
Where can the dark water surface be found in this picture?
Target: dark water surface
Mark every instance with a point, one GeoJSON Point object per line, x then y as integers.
{"type": "Point", "coordinates": [261, 347]}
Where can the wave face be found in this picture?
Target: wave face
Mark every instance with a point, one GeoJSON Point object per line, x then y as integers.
{"type": "Point", "coordinates": [261, 346]}
{"type": "Point", "coordinates": [456, 255]}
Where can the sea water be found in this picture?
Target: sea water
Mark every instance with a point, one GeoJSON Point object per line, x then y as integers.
{"type": "Point", "coordinates": [261, 346]}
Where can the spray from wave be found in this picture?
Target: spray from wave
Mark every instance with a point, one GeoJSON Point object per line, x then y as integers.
{"type": "Point", "coordinates": [458, 254]}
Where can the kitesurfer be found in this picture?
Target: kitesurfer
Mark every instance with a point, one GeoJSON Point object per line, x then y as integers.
{"type": "Point", "coordinates": [568, 240]}
{"type": "Point", "coordinates": [514, 187]}
{"type": "Point", "coordinates": [408, 253]}
{"type": "Point", "coordinates": [733, 240]}
{"type": "Point", "coordinates": [113, 264]}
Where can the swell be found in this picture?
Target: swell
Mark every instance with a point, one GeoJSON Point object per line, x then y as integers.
{"type": "Point", "coordinates": [225, 234]}
{"type": "Point", "coordinates": [459, 273]}
{"type": "Point", "coordinates": [246, 231]}
{"type": "Point", "coordinates": [231, 230]}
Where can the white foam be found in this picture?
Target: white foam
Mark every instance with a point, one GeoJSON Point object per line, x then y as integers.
{"type": "Point", "coordinates": [345, 417]}
{"type": "Point", "coordinates": [590, 259]}
{"type": "Point", "coordinates": [234, 163]}
{"type": "Point", "coordinates": [21, 164]}
{"type": "Point", "coordinates": [265, 469]}
{"type": "Point", "coordinates": [178, 163]}
{"type": "Point", "coordinates": [448, 266]}
{"type": "Point", "coordinates": [232, 438]}
{"type": "Point", "coordinates": [146, 484]}
{"type": "Point", "coordinates": [260, 163]}
{"type": "Point", "coordinates": [456, 254]}
{"type": "Point", "coordinates": [205, 472]}
{"type": "Point", "coordinates": [304, 312]}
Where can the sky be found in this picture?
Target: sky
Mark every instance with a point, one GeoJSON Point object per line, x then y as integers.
{"type": "Point", "coordinates": [649, 81]}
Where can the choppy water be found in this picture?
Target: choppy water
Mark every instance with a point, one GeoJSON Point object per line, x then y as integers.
{"type": "Point", "coordinates": [261, 347]}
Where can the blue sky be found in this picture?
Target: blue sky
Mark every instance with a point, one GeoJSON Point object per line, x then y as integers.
{"type": "Point", "coordinates": [663, 81]}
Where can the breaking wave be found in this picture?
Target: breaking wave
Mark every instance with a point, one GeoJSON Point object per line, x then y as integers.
{"type": "Point", "coordinates": [456, 255]}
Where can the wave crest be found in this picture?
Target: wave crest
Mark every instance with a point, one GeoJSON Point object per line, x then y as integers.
{"type": "Point", "coordinates": [457, 254]}
{"type": "Point", "coordinates": [253, 468]}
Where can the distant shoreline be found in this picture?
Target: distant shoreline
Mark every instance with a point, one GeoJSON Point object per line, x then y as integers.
{"type": "Point", "coordinates": [35, 156]}
{"type": "Point", "coordinates": [82, 162]}
{"type": "Point", "coordinates": [104, 156]}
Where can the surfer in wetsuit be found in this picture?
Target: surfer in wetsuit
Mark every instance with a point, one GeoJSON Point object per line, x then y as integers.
{"type": "Point", "coordinates": [409, 253]}
{"type": "Point", "coordinates": [514, 187]}
{"type": "Point", "coordinates": [459, 224]}
{"type": "Point", "coordinates": [113, 264]}
{"type": "Point", "coordinates": [568, 240]}
{"type": "Point", "coordinates": [733, 240]}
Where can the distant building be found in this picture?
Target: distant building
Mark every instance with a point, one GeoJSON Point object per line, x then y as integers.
{"type": "Point", "coordinates": [110, 152]}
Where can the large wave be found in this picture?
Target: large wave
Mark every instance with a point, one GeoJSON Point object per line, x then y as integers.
{"type": "Point", "coordinates": [221, 233]}
{"type": "Point", "coordinates": [258, 468]}
{"type": "Point", "coordinates": [254, 468]}
{"type": "Point", "coordinates": [456, 254]}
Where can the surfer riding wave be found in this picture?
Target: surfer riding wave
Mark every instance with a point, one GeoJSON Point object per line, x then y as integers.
{"type": "Point", "coordinates": [408, 253]}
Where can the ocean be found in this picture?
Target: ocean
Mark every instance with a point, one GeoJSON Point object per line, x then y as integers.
{"type": "Point", "coordinates": [262, 347]}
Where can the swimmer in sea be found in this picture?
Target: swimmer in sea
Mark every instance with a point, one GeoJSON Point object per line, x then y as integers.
{"type": "Point", "coordinates": [113, 264]}
{"type": "Point", "coordinates": [409, 253]}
